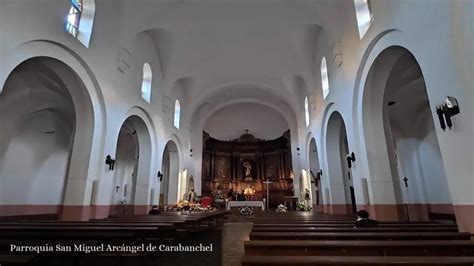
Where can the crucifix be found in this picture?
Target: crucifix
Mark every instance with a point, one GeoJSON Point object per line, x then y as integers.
{"type": "Point", "coordinates": [405, 179]}
{"type": "Point", "coordinates": [116, 189]}
{"type": "Point", "coordinates": [268, 194]}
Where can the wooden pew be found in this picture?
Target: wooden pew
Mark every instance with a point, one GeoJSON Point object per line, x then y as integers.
{"type": "Point", "coordinates": [73, 232]}
{"type": "Point", "coordinates": [16, 259]}
{"type": "Point", "coordinates": [347, 220]}
{"type": "Point", "coordinates": [352, 229]}
{"type": "Point", "coordinates": [361, 248]}
{"type": "Point", "coordinates": [156, 225]}
{"type": "Point", "coordinates": [354, 260]}
{"type": "Point", "coordinates": [117, 229]}
{"type": "Point", "coordinates": [352, 225]}
{"type": "Point", "coordinates": [360, 236]}
{"type": "Point", "coordinates": [196, 220]}
{"type": "Point", "coordinates": [309, 239]}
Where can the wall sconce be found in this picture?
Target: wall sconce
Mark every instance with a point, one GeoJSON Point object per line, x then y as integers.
{"type": "Point", "coordinates": [317, 177]}
{"type": "Point", "coordinates": [110, 162]}
{"type": "Point", "coordinates": [319, 173]}
{"type": "Point", "coordinates": [446, 111]}
{"type": "Point", "coordinates": [191, 152]}
{"type": "Point", "coordinates": [298, 149]}
{"type": "Point", "coordinates": [350, 158]}
{"type": "Point", "coordinates": [160, 176]}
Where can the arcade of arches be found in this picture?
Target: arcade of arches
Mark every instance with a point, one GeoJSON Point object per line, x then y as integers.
{"type": "Point", "coordinates": [79, 142]}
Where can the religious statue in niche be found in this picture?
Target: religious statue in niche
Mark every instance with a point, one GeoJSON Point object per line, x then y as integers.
{"type": "Point", "coordinates": [247, 170]}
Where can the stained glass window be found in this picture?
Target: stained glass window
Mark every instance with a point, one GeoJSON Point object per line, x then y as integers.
{"type": "Point", "coordinates": [74, 17]}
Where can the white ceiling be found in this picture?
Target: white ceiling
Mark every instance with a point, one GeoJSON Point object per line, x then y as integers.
{"type": "Point", "coordinates": [219, 46]}
{"type": "Point", "coordinates": [231, 121]}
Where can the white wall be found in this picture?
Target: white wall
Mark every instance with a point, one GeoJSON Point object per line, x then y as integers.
{"type": "Point", "coordinates": [35, 163]}
{"type": "Point", "coordinates": [421, 163]}
{"type": "Point", "coordinates": [35, 145]}
{"type": "Point", "coordinates": [231, 121]}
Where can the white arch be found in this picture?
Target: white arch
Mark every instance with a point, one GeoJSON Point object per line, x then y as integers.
{"type": "Point", "coordinates": [90, 145]}
{"type": "Point", "coordinates": [205, 111]}
{"type": "Point", "coordinates": [170, 183]}
{"type": "Point", "coordinates": [146, 179]}
{"type": "Point", "coordinates": [234, 89]}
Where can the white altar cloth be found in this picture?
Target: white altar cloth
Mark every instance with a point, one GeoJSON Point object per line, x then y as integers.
{"type": "Point", "coordinates": [251, 203]}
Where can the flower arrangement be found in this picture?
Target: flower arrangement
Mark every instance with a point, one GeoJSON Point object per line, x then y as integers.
{"type": "Point", "coordinates": [123, 204]}
{"type": "Point", "coordinates": [246, 210]}
{"type": "Point", "coordinates": [281, 208]}
{"type": "Point", "coordinates": [186, 207]}
{"type": "Point", "coordinates": [302, 207]}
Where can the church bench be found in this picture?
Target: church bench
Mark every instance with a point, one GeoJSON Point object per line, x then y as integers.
{"type": "Point", "coordinates": [161, 226]}
{"type": "Point", "coordinates": [20, 259]}
{"type": "Point", "coordinates": [351, 225]}
{"type": "Point", "coordinates": [165, 217]}
{"type": "Point", "coordinates": [361, 248]}
{"type": "Point", "coordinates": [175, 214]}
{"type": "Point", "coordinates": [304, 214]}
{"type": "Point", "coordinates": [182, 223]}
{"type": "Point", "coordinates": [442, 216]}
{"type": "Point", "coordinates": [153, 218]}
{"type": "Point", "coordinates": [296, 218]}
{"type": "Point", "coordinates": [72, 235]}
{"type": "Point", "coordinates": [197, 219]}
{"type": "Point", "coordinates": [354, 260]}
{"type": "Point", "coordinates": [359, 236]}
{"type": "Point", "coordinates": [353, 229]}
{"type": "Point", "coordinates": [276, 220]}
{"type": "Point", "coordinates": [164, 225]}
{"type": "Point", "coordinates": [74, 232]}
{"type": "Point", "coordinates": [4, 228]}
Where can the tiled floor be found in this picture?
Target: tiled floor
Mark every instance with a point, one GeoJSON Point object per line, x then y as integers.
{"type": "Point", "coordinates": [234, 235]}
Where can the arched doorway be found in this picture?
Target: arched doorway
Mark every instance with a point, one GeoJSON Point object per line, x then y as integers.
{"type": "Point", "coordinates": [43, 101]}
{"type": "Point", "coordinates": [398, 116]}
{"type": "Point", "coordinates": [315, 175]}
{"type": "Point", "coordinates": [171, 174]}
{"type": "Point", "coordinates": [340, 177]}
{"type": "Point", "coordinates": [132, 171]}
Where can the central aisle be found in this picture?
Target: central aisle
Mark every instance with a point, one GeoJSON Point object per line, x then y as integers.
{"type": "Point", "coordinates": [234, 235]}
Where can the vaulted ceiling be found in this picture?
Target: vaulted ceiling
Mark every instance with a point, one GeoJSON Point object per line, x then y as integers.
{"type": "Point", "coordinates": [237, 48]}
